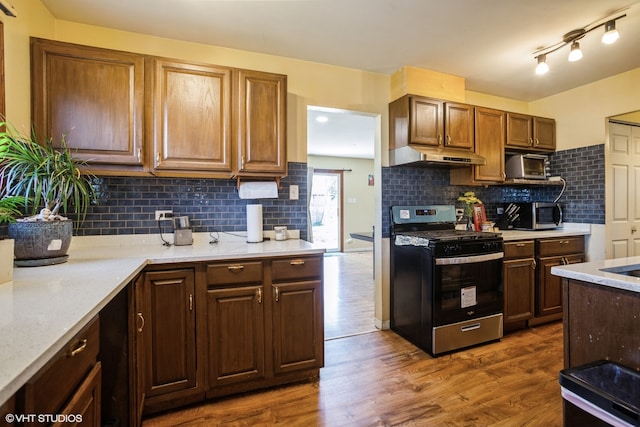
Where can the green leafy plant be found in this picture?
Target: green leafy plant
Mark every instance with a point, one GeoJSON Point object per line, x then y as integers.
{"type": "Point", "coordinates": [43, 175]}
{"type": "Point", "coordinates": [9, 208]}
{"type": "Point", "coordinates": [470, 199]}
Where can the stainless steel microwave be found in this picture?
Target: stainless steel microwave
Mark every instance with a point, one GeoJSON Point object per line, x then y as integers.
{"type": "Point", "coordinates": [527, 166]}
{"type": "Point", "coordinates": [534, 215]}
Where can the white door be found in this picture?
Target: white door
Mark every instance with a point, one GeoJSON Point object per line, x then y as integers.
{"type": "Point", "coordinates": [326, 210]}
{"type": "Point", "coordinates": [623, 207]}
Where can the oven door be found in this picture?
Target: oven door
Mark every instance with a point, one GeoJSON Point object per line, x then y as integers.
{"type": "Point", "coordinates": [466, 287]}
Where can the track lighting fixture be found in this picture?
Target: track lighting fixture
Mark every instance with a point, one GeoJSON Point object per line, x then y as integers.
{"type": "Point", "coordinates": [571, 38]}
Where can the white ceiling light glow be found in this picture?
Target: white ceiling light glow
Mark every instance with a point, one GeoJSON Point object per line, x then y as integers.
{"type": "Point", "coordinates": [571, 38]}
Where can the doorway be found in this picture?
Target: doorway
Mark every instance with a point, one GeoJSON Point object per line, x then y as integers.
{"type": "Point", "coordinates": [325, 209]}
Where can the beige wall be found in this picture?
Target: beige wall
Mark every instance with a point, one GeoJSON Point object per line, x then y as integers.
{"type": "Point", "coordinates": [359, 207]}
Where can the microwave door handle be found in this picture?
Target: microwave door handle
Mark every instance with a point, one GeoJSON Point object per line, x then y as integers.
{"type": "Point", "coordinates": [558, 211]}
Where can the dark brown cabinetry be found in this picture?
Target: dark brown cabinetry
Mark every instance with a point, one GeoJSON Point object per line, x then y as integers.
{"type": "Point", "coordinates": [169, 338]}
{"type": "Point", "coordinates": [530, 133]}
{"type": "Point", "coordinates": [94, 97]}
{"type": "Point", "coordinates": [519, 280]}
{"type": "Point", "coordinates": [69, 384]}
{"type": "Point", "coordinates": [430, 122]}
{"type": "Point", "coordinates": [131, 114]}
{"type": "Point", "coordinates": [550, 253]}
{"type": "Point", "coordinates": [190, 115]}
{"type": "Point", "coordinates": [261, 126]}
{"type": "Point", "coordinates": [489, 131]}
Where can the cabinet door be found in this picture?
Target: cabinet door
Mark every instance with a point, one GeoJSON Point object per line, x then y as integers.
{"type": "Point", "coordinates": [549, 287]}
{"type": "Point", "coordinates": [544, 133]}
{"type": "Point", "coordinates": [236, 335]}
{"type": "Point", "coordinates": [84, 406]}
{"type": "Point", "coordinates": [261, 123]}
{"type": "Point", "coordinates": [489, 143]}
{"type": "Point", "coordinates": [519, 131]}
{"type": "Point", "coordinates": [137, 354]}
{"type": "Point", "coordinates": [519, 284]}
{"type": "Point", "coordinates": [298, 329]}
{"type": "Point", "coordinates": [94, 96]}
{"type": "Point", "coordinates": [426, 125]}
{"type": "Point", "coordinates": [191, 116]}
{"type": "Point", "coordinates": [458, 125]}
{"type": "Point", "coordinates": [169, 333]}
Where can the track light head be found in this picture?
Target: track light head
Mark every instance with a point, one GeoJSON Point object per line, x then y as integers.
{"type": "Point", "coordinates": [542, 67]}
{"type": "Point", "coordinates": [610, 33]}
{"type": "Point", "coordinates": [576, 53]}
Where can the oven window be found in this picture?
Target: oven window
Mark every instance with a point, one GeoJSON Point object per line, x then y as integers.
{"type": "Point", "coordinates": [465, 291]}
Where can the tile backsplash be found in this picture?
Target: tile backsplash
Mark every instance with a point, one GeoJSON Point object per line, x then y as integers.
{"type": "Point", "coordinates": [127, 204]}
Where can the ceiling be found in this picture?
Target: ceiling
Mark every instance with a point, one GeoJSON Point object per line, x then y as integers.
{"type": "Point", "coordinates": [490, 43]}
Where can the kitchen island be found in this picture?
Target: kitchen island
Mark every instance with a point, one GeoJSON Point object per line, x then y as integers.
{"type": "Point", "coordinates": [44, 307]}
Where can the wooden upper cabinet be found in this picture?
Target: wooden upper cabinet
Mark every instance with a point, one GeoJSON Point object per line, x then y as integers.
{"type": "Point", "coordinates": [93, 96]}
{"type": "Point", "coordinates": [191, 116]}
{"type": "Point", "coordinates": [426, 121]}
{"type": "Point", "coordinates": [530, 133]}
{"type": "Point", "coordinates": [544, 133]}
{"type": "Point", "coordinates": [489, 143]}
{"type": "Point", "coordinates": [261, 123]}
{"type": "Point", "coordinates": [458, 125]}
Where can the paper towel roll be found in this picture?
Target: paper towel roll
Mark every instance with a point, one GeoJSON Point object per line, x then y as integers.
{"type": "Point", "coordinates": [254, 223]}
{"type": "Point", "coordinates": [258, 190]}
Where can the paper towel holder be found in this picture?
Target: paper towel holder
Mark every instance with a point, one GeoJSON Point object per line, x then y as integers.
{"type": "Point", "coordinates": [254, 178]}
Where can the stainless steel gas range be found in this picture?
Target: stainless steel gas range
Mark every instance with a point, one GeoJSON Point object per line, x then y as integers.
{"type": "Point", "coordinates": [446, 284]}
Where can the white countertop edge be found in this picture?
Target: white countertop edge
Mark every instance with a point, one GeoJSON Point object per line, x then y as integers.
{"type": "Point", "coordinates": [87, 253]}
{"type": "Point", "coordinates": [567, 229]}
{"type": "Point", "coordinates": [592, 272]}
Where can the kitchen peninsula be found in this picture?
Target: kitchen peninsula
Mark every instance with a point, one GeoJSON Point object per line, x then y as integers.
{"type": "Point", "coordinates": [44, 308]}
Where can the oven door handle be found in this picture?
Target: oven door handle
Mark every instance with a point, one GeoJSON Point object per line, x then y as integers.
{"type": "Point", "coordinates": [469, 259]}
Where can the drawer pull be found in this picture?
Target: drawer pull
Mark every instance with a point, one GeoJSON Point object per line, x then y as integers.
{"type": "Point", "coordinates": [77, 348]}
{"type": "Point", "coordinates": [235, 268]}
{"type": "Point", "coordinates": [141, 317]}
{"type": "Point", "coordinates": [520, 245]}
{"type": "Point", "coordinates": [297, 262]}
{"type": "Point", "coordinates": [471, 327]}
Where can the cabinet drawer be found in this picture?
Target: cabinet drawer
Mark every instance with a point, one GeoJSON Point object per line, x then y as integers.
{"type": "Point", "coordinates": [297, 268]}
{"type": "Point", "coordinates": [560, 246]}
{"type": "Point", "coordinates": [48, 390]}
{"type": "Point", "coordinates": [234, 272]}
{"type": "Point", "coordinates": [522, 249]}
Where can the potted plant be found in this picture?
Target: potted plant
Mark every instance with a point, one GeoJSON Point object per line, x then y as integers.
{"type": "Point", "coordinates": [49, 179]}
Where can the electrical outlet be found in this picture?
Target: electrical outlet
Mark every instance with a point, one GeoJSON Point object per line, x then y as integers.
{"type": "Point", "coordinates": [499, 211]}
{"type": "Point", "coordinates": [164, 215]}
{"type": "Point", "coordinates": [293, 192]}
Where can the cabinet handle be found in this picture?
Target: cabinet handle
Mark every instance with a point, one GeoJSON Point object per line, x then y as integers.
{"type": "Point", "coordinates": [533, 264]}
{"type": "Point", "coordinates": [77, 348]}
{"type": "Point", "coordinates": [537, 142]}
{"type": "Point", "coordinates": [141, 317]}
{"type": "Point", "coordinates": [530, 141]}
{"type": "Point", "coordinates": [157, 159]}
{"type": "Point", "coordinates": [190, 302]}
{"type": "Point", "coordinates": [439, 139]}
{"type": "Point", "coordinates": [139, 155]}
{"type": "Point", "coordinates": [235, 268]}
{"type": "Point", "coordinates": [297, 262]}
{"type": "Point", "coordinates": [242, 162]}
{"type": "Point", "coordinates": [448, 139]}
{"type": "Point", "coordinates": [276, 293]}
{"type": "Point", "coordinates": [259, 292]}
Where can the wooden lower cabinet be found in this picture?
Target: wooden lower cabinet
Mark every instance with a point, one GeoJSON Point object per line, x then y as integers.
{"type": "Point", "coordinates": [519, 281]}
{"type": "Point", "coordinates": [170, 351]}
{"type": "Point", "coordinates": [67, 390]}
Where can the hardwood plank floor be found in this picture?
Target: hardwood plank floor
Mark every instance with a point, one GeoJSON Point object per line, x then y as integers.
{"type": "Point", "coordinates": [379, 379]}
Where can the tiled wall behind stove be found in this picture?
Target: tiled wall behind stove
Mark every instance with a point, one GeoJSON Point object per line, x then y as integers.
{"type": "Point", "coordinates": [127, 205]}
{"type": "Point", "coordinates": [583, 199]}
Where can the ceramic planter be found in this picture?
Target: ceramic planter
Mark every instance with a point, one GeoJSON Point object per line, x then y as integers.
{"type": "Point", "coordinates": [41, 242]}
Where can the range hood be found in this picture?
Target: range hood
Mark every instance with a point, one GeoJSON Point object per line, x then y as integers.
{"type": "Point", "coordinates": [412, 155]}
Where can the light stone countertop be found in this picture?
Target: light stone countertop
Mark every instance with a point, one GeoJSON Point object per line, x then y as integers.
{"type": "Point", "coordinates": [44, 307]}
{"type": "Point", "coordinates": [567, 230]}
{"type": "Point", "coordinates": [592, 272]}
